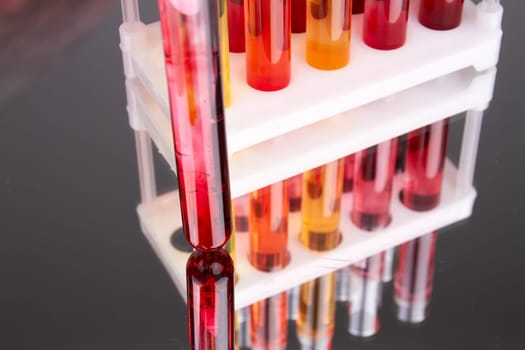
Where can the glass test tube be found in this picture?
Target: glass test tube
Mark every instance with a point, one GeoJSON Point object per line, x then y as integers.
{"type": "Point", "coordinates": [342, 284]}
{"type": "Point", "coordinates": [210, 282]}
{"type": "Point", "coordinates": [385, 23]}
{"type": "Point", "coordinates": [242, 212]}
{"type": "Point", "coordinates": [225, 51]}
{"type": "Point", "coordinates": [365, 293]}
{"type": "Point", "coordinates": [197, 115]}
{"type": "Point", "coordinates": [348, 177]}
{"type": "Point", "coordinates": [268, 35]}
{"type": "Point", "coordinates": [315, 322]}
{"type": "Point", "coordinates": [373, 176]}
{"type": "Point", "coordinates": [268, 237]}
{"type": "Point", "coordinates": [236, 33]}
{"type": "Point", "coordinates": [388, 265]}
{"type": "Point", "coordinates": [413, 278]}
{"type": "Point", "coordinates": [440, 14]}
{"type": "Point", "coordinates": [321, 206]}
{"type": "Point", "coordinates": [269, 323]}
{"type": "Point", "coordinates": [425, 159]}
{"type": "Point", "coordinates": [293, 303]}
{"type": "Point", "coordinates": [358, 6]}
{"type": "Point", "coordinates": [328, 24]}
{"type": "Point", "coordinates": [295, 192]}
{"type": "Point", "coordinates": [298, 16]}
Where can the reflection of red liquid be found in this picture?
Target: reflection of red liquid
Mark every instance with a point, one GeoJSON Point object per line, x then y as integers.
{"type": "Point", "coordinates": [268, 35]}
{"type": "Point", "coordinates": [440, 14]}
{"type": "Point", "coordinates": [298, 16]}
{"type": "Point", "coordinates": [348, 179]}
{"type": "Point", "coordinates": [425, 159]}
{"type": "Point", "coordinates": [236, 25]}
{"type": "Point", "coordinates": [197, 116]}
{"type": "Point", "coordinates": [358, 6]}
{"type": "Point", "coordinates": [373, 175]}
{"type": "Point", "coordinates": [385, 23]}
{"type": "Point", "coordinates": [268, 323]}
{"type": "Point", "coordinates": [210, 300]}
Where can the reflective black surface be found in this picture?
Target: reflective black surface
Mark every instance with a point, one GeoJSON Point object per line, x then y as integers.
{"type": "Point", "coordinates": [77, 273]}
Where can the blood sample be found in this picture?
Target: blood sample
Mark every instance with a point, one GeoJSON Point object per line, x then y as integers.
{"type": "Point", "coordinates": [269, 321]}
{"type": "Point", "coordinates": [365, 294]}
{"type": "Point", "coordinates": [440, 14]}
{"type": "Point", "coordinates": [225, 51]}
{"type": "Point", "coordinates": [328, 24]}
{"type": "Point", "coordinates": [425, 159]}
{"type": "Point", "coordinates": [242, 211]}
{"type": "Point", "coordinates": [321, 206]}
{"type": "Point", "coordinates": [210, 282]}
{"type": "Point", "coordinates": [358, 6]}
{"type": "Point", "coordinates": [268, 237]}
{"type": "Point", "coordinates": [315, 322]}
{"type": "Point", "coordinates": [197, 115]}
{"type": "Point", "coordinates": [295, 189]}
{"type": "Point", "coordinates": [268, 35]}
{"type": "Point", "coordinates": [243, 333]}
{"type": "Point", "coordinates": [236, 31]}
{"type": "Point", "coordinates": [413, 278]}
{"type": "Point", "coordinates": [385, 23]}
{"type": "Point", "coordinates": [298, 16]}
{"type": "Point", "coordinates": [373, 176]}
{"type": "Point", "coordinates": [348, 177]}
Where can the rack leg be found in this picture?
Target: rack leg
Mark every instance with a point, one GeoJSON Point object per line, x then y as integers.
{"type": "Point", "coordinates": [146, 168]}
{"type": "Point", "coordinates": [469, 150]}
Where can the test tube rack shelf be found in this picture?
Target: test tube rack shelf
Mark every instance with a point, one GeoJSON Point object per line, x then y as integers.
{"type": "Point", "coordinates": [320, 117]}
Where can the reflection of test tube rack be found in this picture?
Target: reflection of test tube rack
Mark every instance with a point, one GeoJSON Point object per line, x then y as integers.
{"type": "Point", "coordinates": [464, 90]}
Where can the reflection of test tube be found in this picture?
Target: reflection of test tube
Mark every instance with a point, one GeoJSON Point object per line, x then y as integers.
{"type": "Point", "coordinates": [328, 24]}
{"type": "Point", "coordinates": [373, 177]}
{"type": "Point", "coordinates": [191, 45]}
{"type": "Point", "coordinates": [365, 291]}
{"type": "Point", "coordinates": [315, 322]}
{"type": "Point", "coordinates": [210, 282]}
{"type": "Point", "coordinates": [269, 323]}
{"type": "Point", "coordinates": [225, 51]}
{"type": "Point", "coordinates": [268, 237]}
{"type": "Point", "coordinates": [236, 25]}
{"type": "Point", "coordinates": [440, 14]}
{"type": "Point", "coordinates": [348, 177]}
{"type": "Point", "coordinates": [413, 278]}
{"type": "Point", "coordinates": [358, 6]}
{"type": "Point", "coordinates": [298, 16]}
{"type": "Point", "coordinates": [425, 159]}
{"type": "Point", "coordinates": [242, 211]}
{"type": "Point", "coordinates": [385, 23]}
{"type": "Point", "coordinates": [321, 206]}
{"type": "Point", "coordinates": [268, 35]}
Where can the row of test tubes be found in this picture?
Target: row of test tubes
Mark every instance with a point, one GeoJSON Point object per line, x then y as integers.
{"type": "Point", "coordinates": [358, 288]}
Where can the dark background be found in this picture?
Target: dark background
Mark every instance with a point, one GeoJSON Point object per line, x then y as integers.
{"type": "Point", "coordinates": [75, 270]}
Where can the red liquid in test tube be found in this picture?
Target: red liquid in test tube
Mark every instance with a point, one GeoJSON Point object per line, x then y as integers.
{"type": "Point", "coordinates": [358, 6]}
{"type": "Point", "coordinates": [298, 16]}
{"type": "Point", "coordinates": [210, 283]}
{"type": "Point", "coordinates": [425, 159]}
{"type": "Point", "coordinates": [413, 278]}
{"type": "Point", "coordinates": [440, 14]}
{"type": "Point", "coordinates": [385, 23]}
{"type": "Point", "coordinates": [373, 176]}
{"type": "Point", "coordinates": [268, 41]}
{"type": "Point", "coordinates": [197, 115]}
{"type": "Point", "coordinates": [295, 189]}
{"type": "Point", "coordinates": [236, 31]}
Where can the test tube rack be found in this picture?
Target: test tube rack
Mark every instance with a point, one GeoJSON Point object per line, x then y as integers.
{"type": "Point", "coordinates": [320, 117]}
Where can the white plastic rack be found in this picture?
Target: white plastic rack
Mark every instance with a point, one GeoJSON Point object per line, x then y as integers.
{"type": "Point", "coordinates": [320, 117]}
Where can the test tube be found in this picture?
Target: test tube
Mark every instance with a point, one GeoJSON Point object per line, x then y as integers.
{"type": "Point", "coordinates": [342, 284]}
{"type": "Point", "coordinates": [373, 176]}
{"type": "Point", "coordinates": [358, 6]}
{"type": "Point", "coordinates": [425, 160]}
{"type": "Point", "coordinates": [321, 206]}
{"type": "Point", "coordinates": [388, 265]}
{"type": "Point", "coordinates": [268, 237]}
{"type": "Point", "coordinates": [385, 23]}
{"type": "Point", "coordinates": [225, 51]}
{"type": "Point", "coordinates": [243, 334]}
{"type": "Point", "coordinates": [210, 282]}
{"type": "Point", "coordinates": [295, 192]}
{"type": "Point", "coordinates": [413, 278]}
{"type": "Point", "coordinates": [242, 212]}
{"type": "Point", "coordinates": [315, 322]}
{"type": "Point", "coordinates": [328, 24]}
{"type": "Point", "coordinates": [197, 115]}
{"type": "Point", "coordinates": [236, 33]}
{"type": "Point", "coordinates": [348, 177]}
{"type": "Point", "coordinates": [293, 303]}
{"type": "Point", "coordinates": [365, 293]}
{"type": "Point", "coordinates": [268, 35]}
{"type": "Point", "coordinates": [269, 323]}
{"type": "Point", "coordinates": [298, 16]}
{"type": "Point", "coordinates": [440, 14]}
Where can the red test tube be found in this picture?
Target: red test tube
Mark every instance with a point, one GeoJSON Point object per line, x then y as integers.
{"type": "Point", "coordinates": [210, 281]}
{"type": "Point", "coordinates": [385, 23]}
{"type": "Point", "coordinates": [425, 160]}
{"type": "Point", "coordinates": [413, 278]}
{"type": "Point", "coordinates": [373, 176]}
{"type": "Point", "coordinates": [358, 6]}
{"type": "Point", "coordinates": [298, 16]}
{"type": "Point", "coordinates": [236, 31]}
{"type": "Point", "coordinates": [197, 116]}
{"type": "Point", "coordinates": [440, 14]}
{"type": "Point", "coordinates": [269, 323]}
{"type": "Point", "coordinates": [268, 41]}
